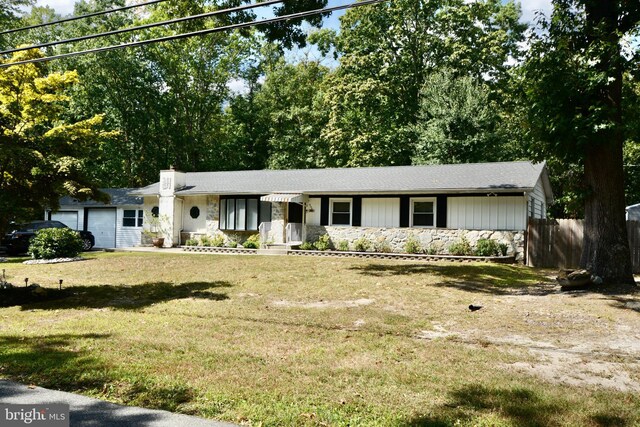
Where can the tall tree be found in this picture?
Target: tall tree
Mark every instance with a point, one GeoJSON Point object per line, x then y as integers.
{"type": "Point", "coordinates": [41, 153]}
{"type": "Point", "coordinates": [575, 71]}
{"type": "Point", "coordinates": [386, 52]}
{"type": "Point", "coordinates": [459, 122]}
{"type": "Point", "coordinates": [290, 102]}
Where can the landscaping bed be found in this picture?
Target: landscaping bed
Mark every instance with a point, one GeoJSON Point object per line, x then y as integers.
{"type": "Point", "coordinates": [219, 250]}
{"type": "Point", "coordinates": [408, 257]}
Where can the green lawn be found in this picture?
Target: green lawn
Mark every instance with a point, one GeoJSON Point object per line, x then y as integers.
{"type": "Point", "coordinates": [305, 341]}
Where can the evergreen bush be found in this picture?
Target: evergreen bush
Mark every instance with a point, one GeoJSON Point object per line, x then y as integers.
{"type": "Point", "coordinates": [343, 245]}
{"type": "Point", "coordinates": [52, 243]}
{"type": "Point", "coordinates": [252, 242]}
{"type": "Point", "coordinates": [412, 246]}
{"type": "Point", "coordinates": [323, 243]}
{"type": "Point", "coordinates": [461, 248]}
{"type": "Point", "coordinates": [361, 244]}
{"type": "Point", "coordinates": [487, 247]}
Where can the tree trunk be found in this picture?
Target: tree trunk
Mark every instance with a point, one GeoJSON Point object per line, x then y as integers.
{"type": "Point", "coordinates": [606, 246]}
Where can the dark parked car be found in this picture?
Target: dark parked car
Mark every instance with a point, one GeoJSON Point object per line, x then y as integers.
{"type": "Point", "coordinates": [18, 240]}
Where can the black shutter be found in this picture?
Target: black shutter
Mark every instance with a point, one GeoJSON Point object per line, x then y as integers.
{"type": "Point", "coordinates": [356, 214]}
{"type": "Point", "coordinates": [324, 210]}
{"type": "Point", "coordinates": [441, 214]}
{"type": "Point", "coordinates": [405, 210]}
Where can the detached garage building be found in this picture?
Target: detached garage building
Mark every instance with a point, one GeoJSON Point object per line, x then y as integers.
{"type": "Point", "coordinates": [117, 224]}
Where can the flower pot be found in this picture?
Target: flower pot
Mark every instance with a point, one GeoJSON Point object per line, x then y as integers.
{"type": "Point", "coordinates": [158, 242]}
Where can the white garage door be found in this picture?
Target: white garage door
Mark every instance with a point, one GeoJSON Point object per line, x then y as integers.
{"type": "Point", "coordinates": [102, 223]}
{"type": "Point", "coordinates": [69, 218]}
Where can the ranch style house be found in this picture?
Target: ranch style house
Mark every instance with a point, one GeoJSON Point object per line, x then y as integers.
{"type": "Point", "coordinates": [436, 204]}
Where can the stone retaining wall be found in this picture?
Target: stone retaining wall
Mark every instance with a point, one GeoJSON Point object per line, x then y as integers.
{"type": "Point", "coordinates": [436, 240]}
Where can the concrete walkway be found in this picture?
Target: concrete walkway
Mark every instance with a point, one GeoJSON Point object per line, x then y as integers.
{"type": "Point", "coordinates": [85, 411]}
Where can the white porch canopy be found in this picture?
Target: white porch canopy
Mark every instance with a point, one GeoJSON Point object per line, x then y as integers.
{"type": "Point", "coordinates": [283, 197]}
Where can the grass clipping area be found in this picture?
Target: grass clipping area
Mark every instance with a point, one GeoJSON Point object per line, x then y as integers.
{"type": "Point", "coordinates": [307, 341]}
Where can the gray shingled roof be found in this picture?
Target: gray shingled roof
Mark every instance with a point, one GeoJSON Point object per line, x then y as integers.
{"type": "Point", "coordinates": [460, 178]}
{"type": "Point", "coordinates": [119, 197]}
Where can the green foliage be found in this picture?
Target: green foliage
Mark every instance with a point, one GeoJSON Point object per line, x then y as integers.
{"type": "Point", "coordinates": [386, 52]}
{"type": "Point", "coordinates": [252, 242]}
{"type": "Point", "coordinates": [343, 245]}
{"type": "Point", "coordinates": [155, 225]}
{"type": "Point", "coordinates": [381, 245]}
{"type": "Point", "coordinates": [487, 247]}
{"type": "Point", "coordinates": [52, 243]}
{"type": "Point", "coordinates": [291, 104]}
{"type": "Point", "coordinates": [435, 248]}
{"type": "Point", "coordinates": [217, 241]}
{"type": "Point", "coordinates": [42, 148]}
{"type": "Point", "coordinates": [307, 246]}
{"type": "Point", "coordinates": [412, 245]}
{"type": "Point", "coordinates": [191, 242]}
{"type": "Point", "coordinates": [503, 249]}
{"type": "Point", "coordinates": [323, 243]}
{"type": "Point", "coordinates": [573, 79]}
{"type": "Point", "coordinates": [361, 244]}
{"type": "Point", "coordinates": [461, 248]}
{"type": "Point", "coordinates": [458, 122]}
{"type": "Point", "coordinates": [232, 244]}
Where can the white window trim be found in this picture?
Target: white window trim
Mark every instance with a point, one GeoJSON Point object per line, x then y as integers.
{"type": "Point", "coordinates": [138, 216]}
{"type": "Point", "coordinates": [343, 199]}
{"type": "Point", "coordinates": [435, 211]}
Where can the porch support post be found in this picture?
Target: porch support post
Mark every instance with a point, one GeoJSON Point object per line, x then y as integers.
{"type": "Point", "coordinates": [278, 222]}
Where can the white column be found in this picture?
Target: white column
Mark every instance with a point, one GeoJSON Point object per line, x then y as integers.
{"type": "Point", "coordinates": [170, 207]}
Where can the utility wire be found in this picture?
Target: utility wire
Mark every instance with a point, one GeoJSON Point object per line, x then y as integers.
{"type": "Point", "coordinates": [142, 27]}
{"type": "Point", "coordinates": [196, 33]}
{"type": "Point", "coordinates": [75, 18]}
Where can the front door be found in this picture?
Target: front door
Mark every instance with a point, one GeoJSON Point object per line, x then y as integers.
{"type": "Point", "coordinates": [294, 219]}
{"type": "Point", "coordinates": [295, 213]}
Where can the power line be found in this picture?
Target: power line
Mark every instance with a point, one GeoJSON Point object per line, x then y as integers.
{"type": "Point", "coordinates": [196, 33]}
{"type": "Point", "coordinates": [142, 27]}
{"type": "Point", "coordinates": [75, 18]}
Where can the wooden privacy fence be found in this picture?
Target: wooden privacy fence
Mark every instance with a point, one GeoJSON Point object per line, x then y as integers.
{"type": "Point", "coordinates": [558, 243]}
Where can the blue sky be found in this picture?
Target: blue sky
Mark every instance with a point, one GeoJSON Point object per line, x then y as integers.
{"type": "Point", "coordinates": [529, 7]}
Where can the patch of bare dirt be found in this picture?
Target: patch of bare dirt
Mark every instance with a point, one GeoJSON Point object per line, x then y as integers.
{"type": "Point", "coordinates": [587, 340]}
{"type": "Point", "coordinates": [576, 369]}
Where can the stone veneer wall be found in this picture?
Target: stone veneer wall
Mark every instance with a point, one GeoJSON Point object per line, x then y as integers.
{"type": "Point", "coordinates": [437, 238]}
{"type": "Point", "coordinates": [213, 215]}
{"type": "Point", "coordinates": [213, 225]}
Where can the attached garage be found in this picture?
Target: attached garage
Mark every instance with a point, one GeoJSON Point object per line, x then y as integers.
{"type": "Point", "coordinates": [102, 223]}
{"type": "Point", "coordinates": [117, 224]}
{"type": "Point", "coordinates": [68, 218]}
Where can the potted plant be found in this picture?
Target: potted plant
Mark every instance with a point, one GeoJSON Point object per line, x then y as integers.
{"type": "Point", "coordinates": [156, 227]}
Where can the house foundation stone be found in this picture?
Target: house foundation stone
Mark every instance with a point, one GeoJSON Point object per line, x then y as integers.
{"type": "Point", "coordinates": [434, 240]}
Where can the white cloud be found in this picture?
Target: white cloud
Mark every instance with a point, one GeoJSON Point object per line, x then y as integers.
{"type": "Point", "coordinates": [531, 7]}
{"type": "Point", "coordinates": [63, 7]}
{"type": "Point", "coordinates": [238, 86]}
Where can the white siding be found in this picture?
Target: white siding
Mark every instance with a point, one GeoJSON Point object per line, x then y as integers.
{"type": "Point", "coordinates": [537, 202]}
{"type": "Point", "coordinates": [486, 213]}
{"type": "Point", "coordinates": [195, 225]}
{"type": "Point", "coordinates": [381, 212]}
{"type": "Point", "coordinates": [127, 237]}
{"type": "Point", "coordinates": [150, 203]}
{"type": "Point", "coordinates": [313, 218]}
